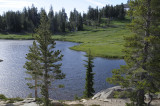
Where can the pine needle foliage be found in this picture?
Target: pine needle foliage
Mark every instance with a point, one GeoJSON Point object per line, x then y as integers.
{"type": "Point", "coordinates": [141, 71]}
{"type": "Point", "coordinates": [89, 90]}
{"type": "Point", "coordinates": [33, 68]}
{"type": "Point", "coordinates": [49, 57]}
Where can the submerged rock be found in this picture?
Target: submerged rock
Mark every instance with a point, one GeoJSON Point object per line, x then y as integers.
{"type": "Point", "coordinates": [1, 60]}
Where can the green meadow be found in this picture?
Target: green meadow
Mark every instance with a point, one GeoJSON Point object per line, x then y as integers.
{"type": "Point", "coordinates": [107, 41]}
{"type": "Point", "coordinates": [16, 36]}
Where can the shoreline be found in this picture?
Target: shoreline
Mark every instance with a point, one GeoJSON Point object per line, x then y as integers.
{"type": "Point", "coordinates": [72, 48]}
{"type": "Point", "coordinates": [82, 102]}
{"type": "Point", "coordinates": [105, 99]}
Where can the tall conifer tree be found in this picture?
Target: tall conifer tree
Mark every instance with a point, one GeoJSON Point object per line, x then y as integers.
{"type": "Point", "coordinates": [33, 68]}
{"type": "Point", "coordinates": [89, 90]}
{"type": "Point", "coordinates": [141, 52]}
{"type": "Point", "coordinates": [51, 19]}
{"type": "Point", "coordinates": [48, 57]}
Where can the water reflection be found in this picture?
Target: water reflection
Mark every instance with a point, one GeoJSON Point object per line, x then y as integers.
{"type": "Point", "coordinates": [12, 73]}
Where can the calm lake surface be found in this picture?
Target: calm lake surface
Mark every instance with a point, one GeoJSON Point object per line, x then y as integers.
{"type": "Point", "coordinates": [12, 73]}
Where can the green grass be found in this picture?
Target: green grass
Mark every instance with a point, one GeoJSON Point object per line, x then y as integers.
{"type": "Point", "coordinates": [104, 42]}
{"type": "Point", "coordinates": [10, 100]}
{"type": "Point", "coordinates": [16, 36]}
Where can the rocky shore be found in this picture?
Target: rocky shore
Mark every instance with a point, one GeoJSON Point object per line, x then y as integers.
{"type": "Point", "coordinates": [25, 102]}
{"type": "Point", "coordinates": [102, 98]}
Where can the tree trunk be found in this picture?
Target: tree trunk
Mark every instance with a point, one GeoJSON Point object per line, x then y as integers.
{"type": "Point", "coordinates": [140, 98]}
{"type": "Point", "coordinates": [46, 77]}
{"type": "Point", "coordinates": [141, 92]}
{"type": "Point", "coordinates": [36, 95]}
{"type": "Point", "coordinates": [46, 89]}
{"type": "Point", "coordinates": [149, 103]}
{"type": "Point", "coordinates": [147, 31]}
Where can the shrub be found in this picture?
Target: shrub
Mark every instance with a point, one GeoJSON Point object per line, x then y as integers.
{"type": "Point", "coordinates": [3, 97]}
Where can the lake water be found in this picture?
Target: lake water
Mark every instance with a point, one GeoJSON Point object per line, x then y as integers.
{"type": "Point", "coordinates": [12, 73]}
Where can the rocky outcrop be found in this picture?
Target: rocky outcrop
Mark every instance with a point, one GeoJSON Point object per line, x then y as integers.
{"type": "Point", "coordinates": [105, 94]}
{"type": "Point", "coordinates": [154, 96]}
{"type": "Point", "coordinates": [25, 102]}
{"type": "Point", "coordinates": [108, 93]}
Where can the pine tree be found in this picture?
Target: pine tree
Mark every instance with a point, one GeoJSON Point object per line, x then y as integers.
{"type": "Point", "coordinates": [33, 68]}
{"type": "Point", "coordinates": [141, 52]}
{"type": "Point", "coordinates": [2, 24]}
{"type": "Point", "coordinates": [63, 20]}
{"type": "Point", "coordinates": [51, 19]}
{"type": "Point", "coordinates": [76, 21]}
{"type": "Point", "coordinates": [56, 23]}
{"type": "Point", "coordinates": [89, 90]}
{"type": "Point", "coordinates": [48, 57]}
{"type": "Point", "coordinates": [121, 14]}
{"type": "Point", "coordinates": [80, 22]}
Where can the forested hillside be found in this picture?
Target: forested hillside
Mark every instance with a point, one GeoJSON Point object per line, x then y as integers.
{"type": "Point", "coordinates": [29, 18]}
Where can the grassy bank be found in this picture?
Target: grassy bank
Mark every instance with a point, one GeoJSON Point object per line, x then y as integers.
{"type": "Point", "coordinates": [16, 36]}
{"type": "Point", "coordinates": [102, 41]}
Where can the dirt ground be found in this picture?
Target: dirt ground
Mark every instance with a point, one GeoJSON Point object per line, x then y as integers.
{"type": "Point", "coordinates": [108, 102]}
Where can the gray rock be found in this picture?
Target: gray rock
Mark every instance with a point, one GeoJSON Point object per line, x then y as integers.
{"type": "Point", "coordinates": [28, 100]}
{"type": "Point", "coordinates": [83, 100]}
{"type": "Point", "coordinates": [108, 93]}
{"type": "Point", "coordinates": [154, 96]}
{"type": "Point", "coordinates": [158, 96]}
{"type": "Point", "coordinates": [30, 104]}
{"type": "Point", "coordinates": [25, 102]}
{"type": "Point", "coordinates": [105, 94]}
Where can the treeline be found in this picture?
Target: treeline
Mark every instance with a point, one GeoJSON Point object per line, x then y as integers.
{"type": "Point", "coordinates": [29, 19]}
